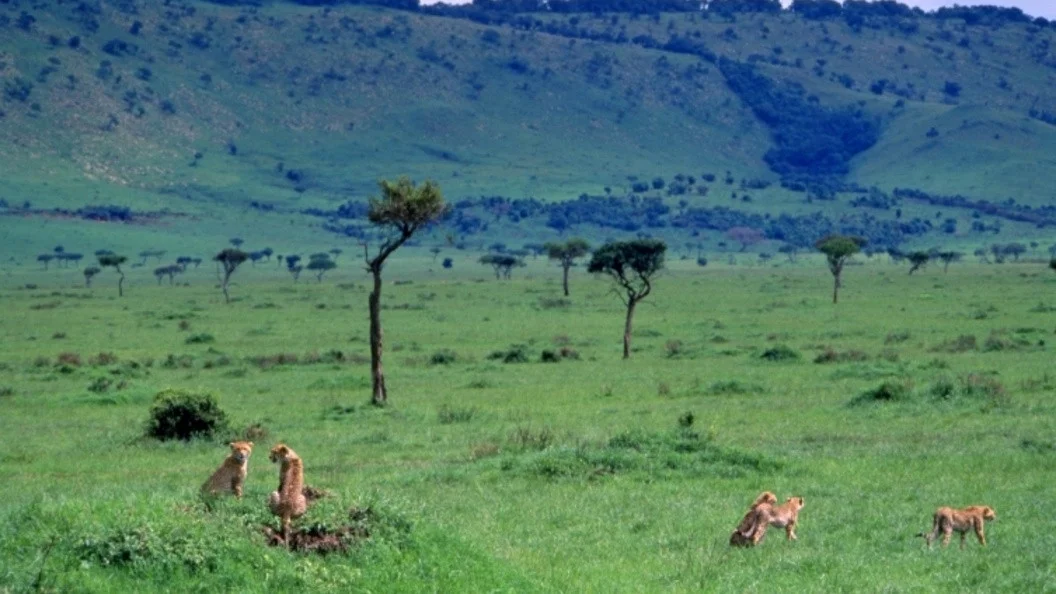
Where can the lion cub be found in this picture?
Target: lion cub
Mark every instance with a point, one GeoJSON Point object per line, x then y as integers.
{"type": "Point", "coordinates": [947, 520]}
{"type": "Point", "coordinates": [741, 534]}
{"type": "Point", "coordinates": [232, 472]}
{"type": "Point", "coordinates": [289, 501]}
{"type": "Point", "coordinates": [765, 515]}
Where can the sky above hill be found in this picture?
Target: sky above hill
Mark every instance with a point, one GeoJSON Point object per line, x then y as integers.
{"type": "Point", "coordinates": [1042, 8]}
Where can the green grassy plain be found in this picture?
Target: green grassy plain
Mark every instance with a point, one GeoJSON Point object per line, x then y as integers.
{"type": "Point", "coordinates": [551, 477]}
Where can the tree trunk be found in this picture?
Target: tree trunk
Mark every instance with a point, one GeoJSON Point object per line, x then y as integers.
{"type": "Point", "coordinates": [223, 287]}
{"type": "Point", "coordinates": [380, 396]}
{"type": "Point", "coordinates": [835, 287]}
{"type": "Point", "coordinates": [159, 279]}
{"type": "Point", "coordinates": [627, 328]}
{"type": "Point", "coordinates": [121, 284]}
{"type": "Point", "coordinates": [566, 267]}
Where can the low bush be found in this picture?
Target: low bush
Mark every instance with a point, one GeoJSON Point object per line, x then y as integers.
{"type": "Point", "coordinates": [177, 414]}
{"type": "Point", "coordinates": [961, 344]}
{"type": "Point", "coordinates": [889, 391]}
{"type": "Point", "coordinates": [448, 415]}
{"type": "Point", "coordinates": [443, 357]}
{"type": "Point", "coordinates": [201, 338]}
{"type": "Point", "coordinates": [780, 353]}
{"type": "Point", "coordinates": [517, 353]}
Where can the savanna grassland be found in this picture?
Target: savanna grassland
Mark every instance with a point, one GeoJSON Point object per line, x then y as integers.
{"type": "Point", "coordinates": [589, 474]}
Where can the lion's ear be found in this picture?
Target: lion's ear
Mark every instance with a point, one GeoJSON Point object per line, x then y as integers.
{"type": "Point", "coordinates": [250, 443]}
{"type": "Point", "coordinates": [232, 444]}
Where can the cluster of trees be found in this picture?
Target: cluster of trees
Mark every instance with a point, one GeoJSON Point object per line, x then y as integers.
{"type": "Point", "coordinates": [1040, 216]}
{"type": "Point", "coordinates": [810, 140]}
{"type": "Point", "coordinates": [60, 255]}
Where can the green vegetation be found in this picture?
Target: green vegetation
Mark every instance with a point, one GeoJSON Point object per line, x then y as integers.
{"type": "Point", "coordinates": [483, 475]}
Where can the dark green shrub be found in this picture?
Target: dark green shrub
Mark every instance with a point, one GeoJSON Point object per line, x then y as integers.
{"type": "Point", "coordinates": [889, 391]}
{"type": "Point", "coordinates": [202, 338]}
{"type": "Point", "coordinates": [443, 357]}
{"type": "Point", "coordinates": [780, 353]}
{"type": "Point", "coordinates": [517, 353]}
{"type": "Point", "coordinates": [548, 356]}
{"type": "Point", "coordinates": [177, 414]}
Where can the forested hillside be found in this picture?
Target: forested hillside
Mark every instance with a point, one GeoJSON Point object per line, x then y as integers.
{"type": "Point", "coordinates": [596, 117]}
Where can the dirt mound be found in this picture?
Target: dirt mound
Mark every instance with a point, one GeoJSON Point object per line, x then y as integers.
{"type": "Point", "coordinates": [322, 539]}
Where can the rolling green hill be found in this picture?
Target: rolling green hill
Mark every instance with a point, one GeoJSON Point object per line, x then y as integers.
{"type": "Point", "coordinates": [240, 118]}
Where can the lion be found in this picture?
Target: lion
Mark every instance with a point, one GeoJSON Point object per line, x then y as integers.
{"type": "Point", "coordinates": [947, 520]}
{"type": "Point", "coordinates": [765, 515]}
{"type": "Point", "coordinates": [232, 472]}
{"type": "Point", "coordinates": [288, 502]}
{"type": "Point", "coordinates": [739, 537]}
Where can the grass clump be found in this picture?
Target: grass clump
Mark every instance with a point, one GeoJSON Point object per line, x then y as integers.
{"type": "Point", "coordinates": [961, 344]}
{"type": "Point", "coordinates": [831, 355]}
{"type": "Point", "coordinates": [443, 357]}
{"type": "Point", "coordinates": [177, 414]}
{"type": "Point", "coordinates": [779, 353]}
{"type": "Point", "coordinates": [726, 387]}
{"type": "Point", "coordinates": [200, 338]}
{"type": "Point", "coordinates": [682, 451]}
{"type": "Point", "coordinates": [517, 353]}
{"type": "Point", "coordinates": [448, 415]}
{"type": "Point", "coordinates": [889, 391]}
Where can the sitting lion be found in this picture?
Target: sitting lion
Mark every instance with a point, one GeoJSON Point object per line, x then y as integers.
{"type": "Point", "coordinates": [947, 520]}
{"type": "Point", "coordinates": [232, 472]}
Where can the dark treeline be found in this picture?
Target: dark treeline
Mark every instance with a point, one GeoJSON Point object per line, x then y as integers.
{"type": "Point", "coordinates": [855, 12]}
{"type": "Point", "coordinates": [1042, 216]}
{"type": "Point", "coordinates": [645, 215]}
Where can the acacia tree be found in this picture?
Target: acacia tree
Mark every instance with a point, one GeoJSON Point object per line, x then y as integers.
{"type": "Point", "coordinates": [503, 264]}
{"type": "Point", "coordinates": [566, 254]}
{"type": "Point", "coordinates": [171, 271]}
{"type": "Point", "coordinates": [320, 265]}
{"type": "Point", "coordinates": [918, 260]}
{"type": "Point", "coordinates": [45, 258]}
{"type": "Point", "coordinates": [947, 258]}
{"type": "Point", "coordinates": [401, 211]}
{"type": "Point", "coordinates": [838, 249]}
{"type": "Point", "coordinates": [89, 272]}
{"type": "Point", "coordinates": [745, 236]}
{"type": "Point", "coordinates": [230, 259]}
{"type": "Point", "coordinates": [632, 265]}
{"type": "Point", "coordinates": [115, 261]}
{"type": "Point", "coordinates": [293, 267]}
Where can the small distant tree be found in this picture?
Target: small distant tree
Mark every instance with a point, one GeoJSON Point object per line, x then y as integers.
{"type": "Point", "coordinates": [1015, 250]}
{"type": "Point", "coordinates": [89, 272]}
{"type": "Point", "coordinates": [255, 257]}
{"type": "Point", "coordinates": [197, 262]}
{"type": "Point", "coordinates": [503, 264]}
{"type": "Point", "coordinates": [982, 255]}
{"type": "Point", "coordinates": [171, 271]}
{"type": "Point", "coordinates": [999, 253]}
{"type": "Point", "coordinates": [267, 252]}
{"type": "Point", "coordinates": [237, 241]}
{"type": "Point", "coordinates": [918, 260]}
{"type": "Point", "coordinates": [74, 257]}
{"type": "Point", "coordinates": [790, 251]}
{"type": "Point", "coordinates": [632, 266]}
{"type": "Point", "coordinates": [46, 259]}
{"type": "Point", "coordinates": [746, 236]}
{"type": "Point", "coordinates": [293, 267]}
{"type": "Point", "coordinates": [230, 259]}
{"type": "Point", "coordinates": [183, 261]}
{"type": "Point", "coordinates": [435, 251]}
{"type": "Point", "coordinates": [949, 257]}
{"type": "Point", "coordinates": [115, 261]}
{"type": "Point", "coordinates": [402, 210]}
{"type": "Point", "coordinates": [566, 253]}
{"type": "Point", "coordinates": [335, 252]}
{"type": "Point", "coordinates": [838, 249]}
{"type": "Point", "coordinates": [320, 265]}
{"type": "Point", "coordinates": [535, 248]}
{"type": "Point", "coordinates": [448, 263]}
